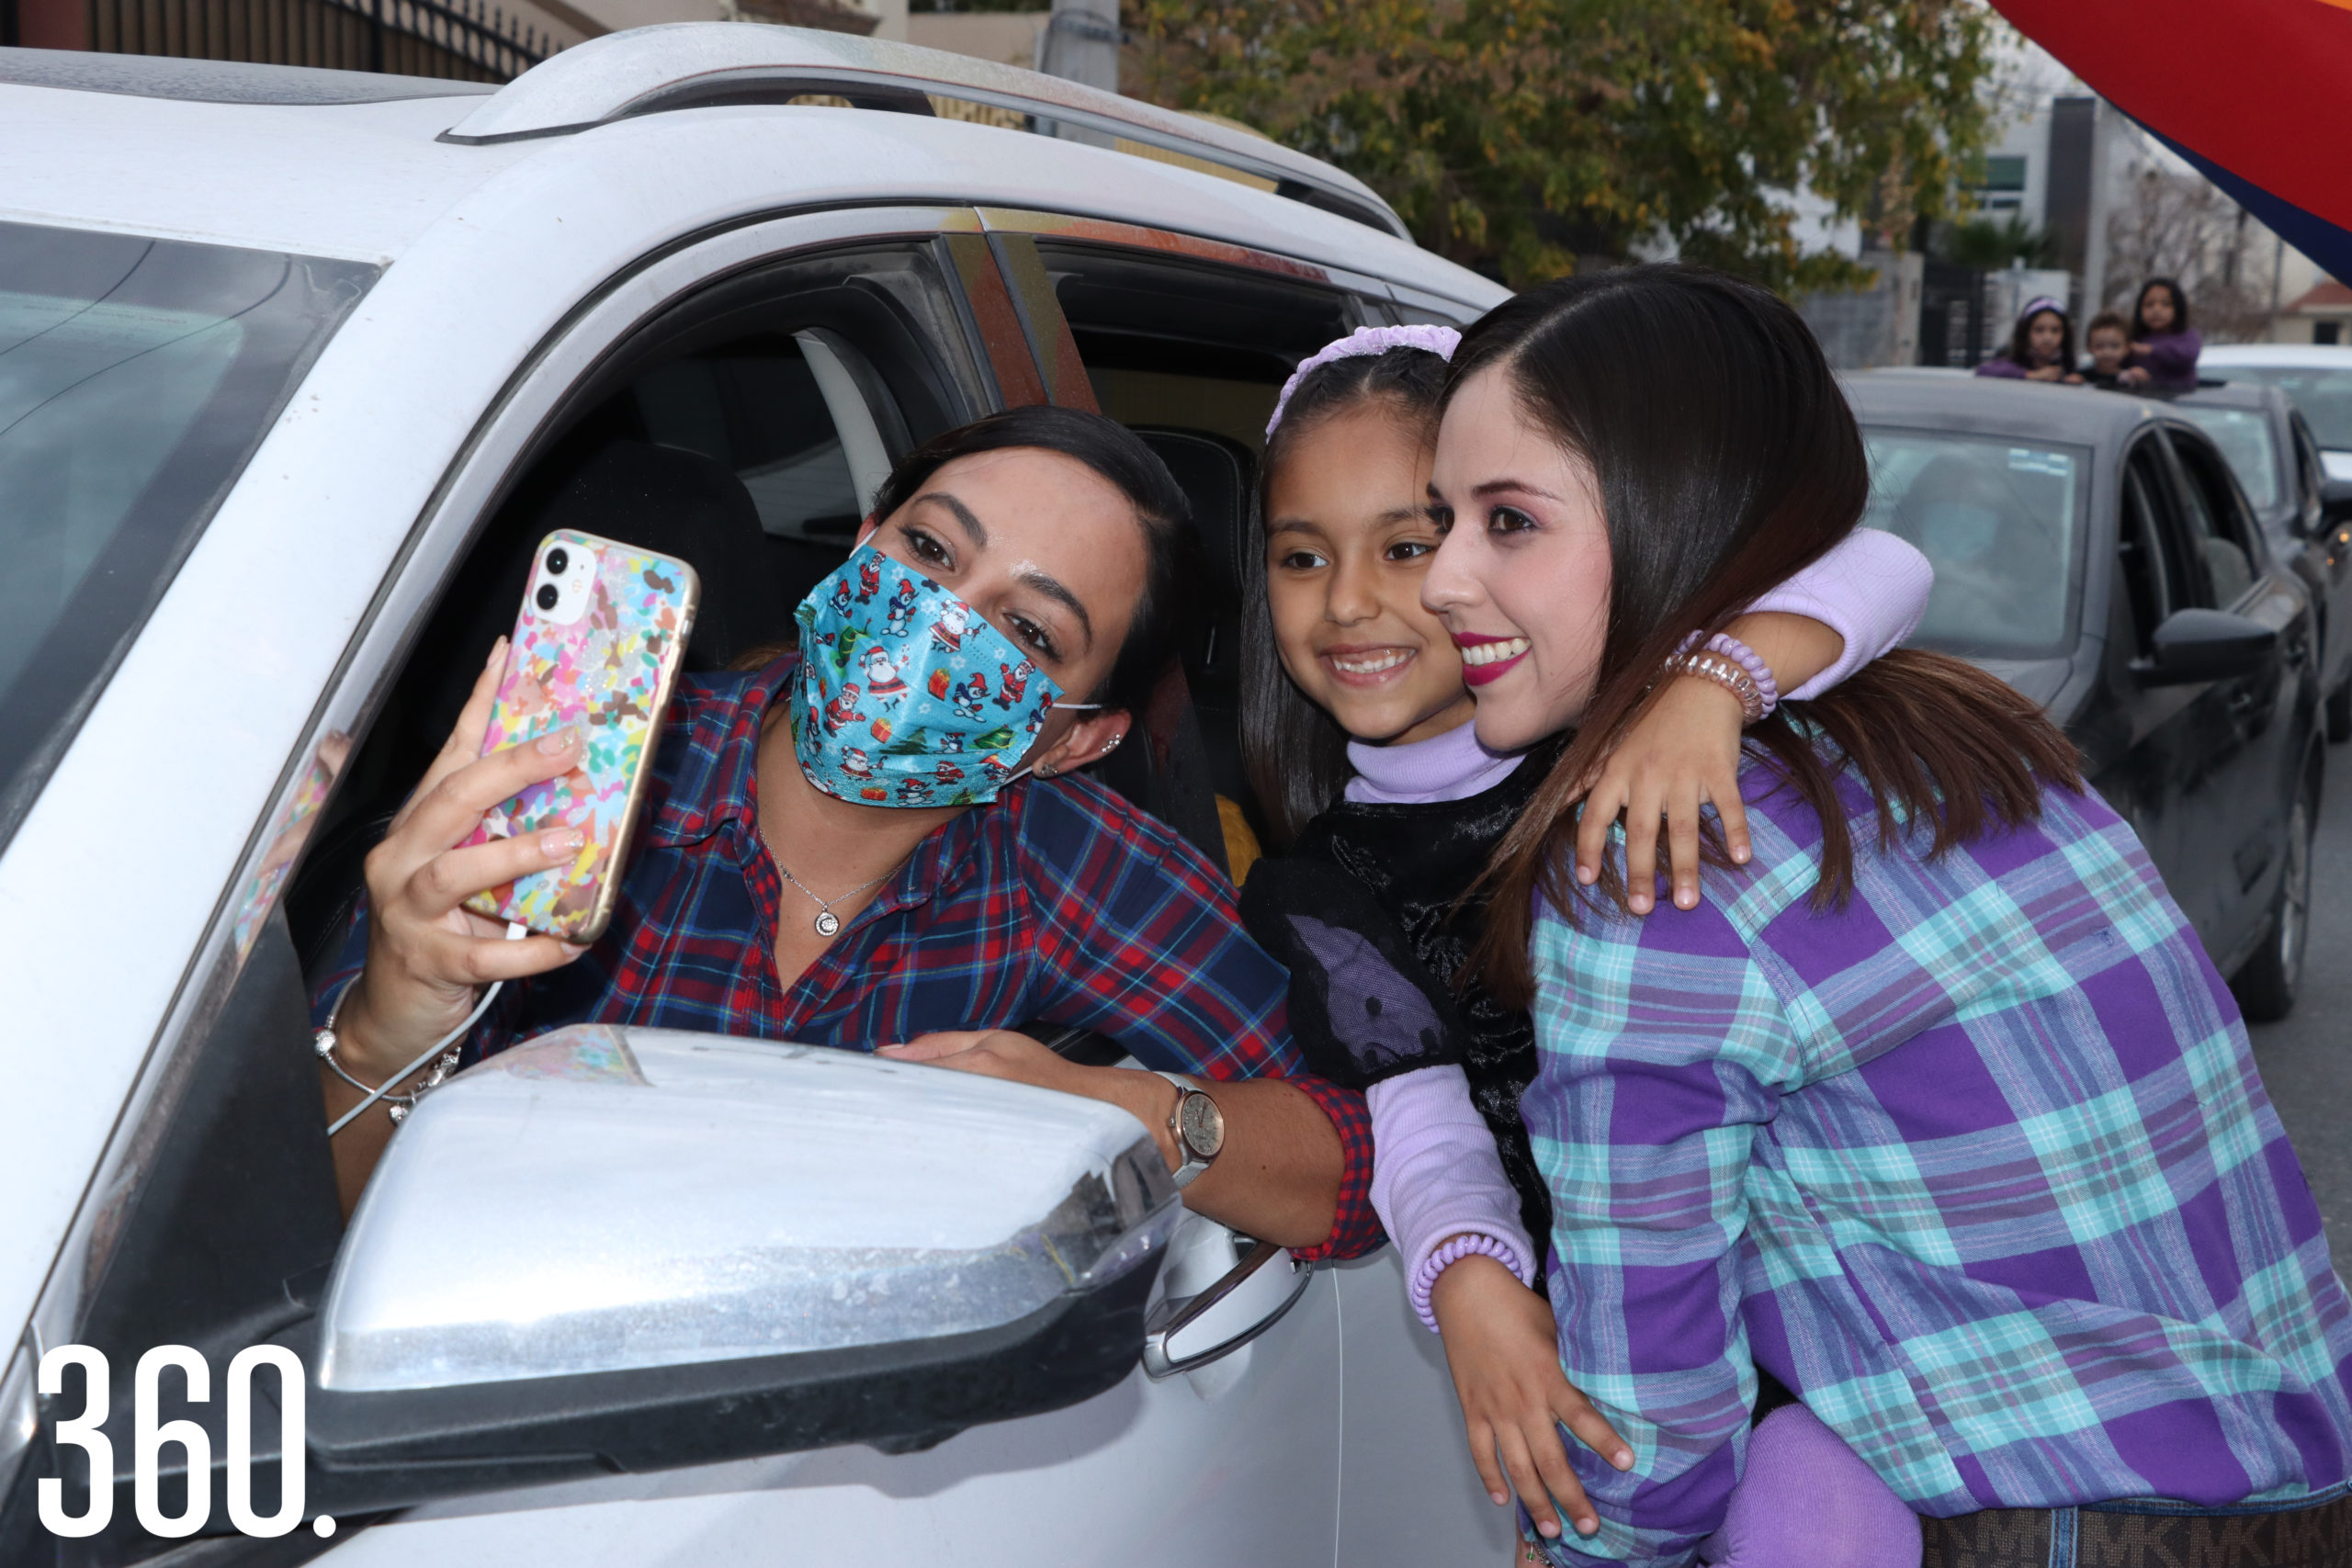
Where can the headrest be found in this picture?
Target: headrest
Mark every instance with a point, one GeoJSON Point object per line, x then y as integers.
{"type": "Point", "coordinates": [681, 503]}
{"type": "Point", "coordinates": [1218, 475]}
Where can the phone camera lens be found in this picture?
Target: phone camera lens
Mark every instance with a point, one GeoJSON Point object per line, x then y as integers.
{"type": "Point", "coordinates": [557, 562]}
{"type": "Point", "coordinates": [547, 596]}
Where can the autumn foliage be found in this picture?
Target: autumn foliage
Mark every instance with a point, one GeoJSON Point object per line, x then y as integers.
{"type": "Point", "coordinates": [1534, 137]}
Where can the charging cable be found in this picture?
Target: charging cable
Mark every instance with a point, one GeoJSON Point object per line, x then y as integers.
{"type": "Point", "coordinates": [515, 931]}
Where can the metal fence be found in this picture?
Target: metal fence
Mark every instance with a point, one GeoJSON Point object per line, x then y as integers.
{"type": "Point", "coordinates": [466, 40]}
{"type": "Point", "coordinates": [1951, 315]}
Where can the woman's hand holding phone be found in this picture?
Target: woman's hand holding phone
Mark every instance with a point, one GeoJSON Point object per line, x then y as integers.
{"type": "Point", "coordinates": [428, 954]}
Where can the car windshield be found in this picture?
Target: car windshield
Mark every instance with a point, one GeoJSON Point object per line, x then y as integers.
{"type": "Point", "coordinates": [2001, 523]}
{"type": "Point", "coordinates": [2244, 438]}
{"type": "Point", "coordinates": [2324, 394]}
{"type": "Point", "coordinates": [136, 375]}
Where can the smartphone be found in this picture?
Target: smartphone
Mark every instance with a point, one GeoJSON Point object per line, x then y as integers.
{"type": "Point", "coordinates": [596, 645]}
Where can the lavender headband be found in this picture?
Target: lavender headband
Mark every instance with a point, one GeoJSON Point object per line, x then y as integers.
{"type": "Point", "coordinates": [1440, 340]}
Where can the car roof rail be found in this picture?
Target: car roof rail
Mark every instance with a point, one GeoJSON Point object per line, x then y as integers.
{"type": "Point", "coordinates": [683, 65]}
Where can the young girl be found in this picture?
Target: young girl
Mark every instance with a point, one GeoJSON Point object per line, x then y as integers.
{"type": "Point", "coordinates": [1354, 691]}
{"type": "Point", "coordinates": [2041, 346]}
{"type": "Point", "coordinates": [2164, 346]}
{"type": "Point", "coordinates": [1935, 1108]}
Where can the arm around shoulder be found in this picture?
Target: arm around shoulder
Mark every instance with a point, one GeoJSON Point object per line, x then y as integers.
{"type": "Point", "coordinates": [1872, 588]}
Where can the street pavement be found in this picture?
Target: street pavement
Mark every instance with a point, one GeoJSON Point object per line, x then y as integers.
{"type": "Point", "coordinates": [2306, 1062]}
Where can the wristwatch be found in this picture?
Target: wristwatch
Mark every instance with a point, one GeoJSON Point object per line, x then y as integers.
{"type": "Point", "coordinates": [1198, 1127]}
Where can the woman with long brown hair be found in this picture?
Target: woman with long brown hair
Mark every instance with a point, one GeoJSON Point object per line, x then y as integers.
{"type": "Point", "coordinates": [1934, 1111]}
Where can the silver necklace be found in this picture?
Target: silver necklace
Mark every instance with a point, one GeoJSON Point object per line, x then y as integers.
{"type": "Point", "coordinates": [826, 922]}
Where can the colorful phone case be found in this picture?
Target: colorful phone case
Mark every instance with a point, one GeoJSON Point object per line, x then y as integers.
{"type": "Point", "coordinates": [608, 673]}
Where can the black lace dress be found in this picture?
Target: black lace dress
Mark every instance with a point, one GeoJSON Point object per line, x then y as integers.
{"type": "Point", "coordinates": [1386, 1001]}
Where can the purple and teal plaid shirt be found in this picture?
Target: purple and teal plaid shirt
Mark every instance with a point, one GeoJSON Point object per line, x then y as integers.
{"type": "Point", "coordinates": [1979, 1165]}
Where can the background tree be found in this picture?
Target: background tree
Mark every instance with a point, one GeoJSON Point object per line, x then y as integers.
{"type": "Point", "coordinates": [2175, 223]}
{"type": "Point", "coordinates": [1982, 242]}
{"type": "Point", "coordinates": [1530, 138]}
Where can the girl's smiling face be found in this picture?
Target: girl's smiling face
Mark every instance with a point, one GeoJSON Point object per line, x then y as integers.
{"type": "Point", "coordinates": [1522, 580]}
{"type": "Point", "coordinates": [1347, 540]}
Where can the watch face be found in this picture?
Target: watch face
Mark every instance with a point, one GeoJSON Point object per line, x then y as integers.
{"type": "Point", "coordinates": [1203, 1125]}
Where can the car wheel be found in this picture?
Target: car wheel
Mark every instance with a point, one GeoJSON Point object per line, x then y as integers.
{"type": "Point", "coordinates": [2266, 987]}
{"type": "Point", "coordinates": [2339, 714]}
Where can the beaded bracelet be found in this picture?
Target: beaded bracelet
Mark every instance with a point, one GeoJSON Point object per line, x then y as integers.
{"type": "Point", "coordinates": [1731, 647]}
{"type": "Point", "coordinates": [1733, 665]}
{"type": "Point", "coordinates": [1470, 1244]}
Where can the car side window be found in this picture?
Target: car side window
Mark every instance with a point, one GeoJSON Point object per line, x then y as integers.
{"type": "Point", "coordinates": [2140, 544]}
{"type": "Point", "coordinates": [1191, 354]}
{"type": "Point", "coordinates": [760, 409]}
{"type": "Point", "coordinates": [745, 429]}
{"type": "Point", "coordinates": [1186, 345]}
{"type": "Point", "coordinates": [2213, 509]}
{"type": "Point", "coordinates": [811, 379]}
{"type": "Point", "coordinates": [745, 419]}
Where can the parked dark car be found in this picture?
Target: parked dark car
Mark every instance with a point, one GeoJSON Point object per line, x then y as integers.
{"type": "Point", "coordinates": [2096, 552]}
{"type": "Point", "coordinates": [2306, 516]}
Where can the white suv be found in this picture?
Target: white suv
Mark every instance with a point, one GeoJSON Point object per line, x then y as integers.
{"type": "Point", "coordinates": [290, 363]}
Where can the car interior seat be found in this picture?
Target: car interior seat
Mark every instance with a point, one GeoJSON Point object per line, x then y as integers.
{"type": "Point", "coordinates": [1219, 477]}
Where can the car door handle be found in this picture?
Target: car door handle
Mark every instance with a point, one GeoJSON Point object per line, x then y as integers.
{"type": "Point", "coordinates": [1186, 1331]}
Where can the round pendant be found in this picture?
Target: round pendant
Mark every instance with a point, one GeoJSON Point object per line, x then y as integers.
{"type": "Point", "coordinates": [827, 922]}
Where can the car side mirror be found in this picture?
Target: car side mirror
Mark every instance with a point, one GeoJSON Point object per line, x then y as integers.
{"type": "Point", "coordinates": [2195, 646]}
{"type": "Point", "coordinates": [2334, 503]}
{"type": "Point", "coordinates": [616, 1248]}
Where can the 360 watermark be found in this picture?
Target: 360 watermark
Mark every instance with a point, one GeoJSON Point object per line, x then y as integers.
{"type": "Point", "coordinates": [151, 1437]}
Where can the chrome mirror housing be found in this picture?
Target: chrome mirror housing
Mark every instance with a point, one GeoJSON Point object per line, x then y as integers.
{"type": "Point", "coordinates": [663, 1249]}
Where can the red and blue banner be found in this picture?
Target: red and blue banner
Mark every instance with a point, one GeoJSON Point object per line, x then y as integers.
{"type": "Point", "coordinates": [2254, 93]}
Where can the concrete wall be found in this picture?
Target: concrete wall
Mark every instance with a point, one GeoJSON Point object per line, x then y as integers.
{"type": "Point", "coordinates": [1876, 326]}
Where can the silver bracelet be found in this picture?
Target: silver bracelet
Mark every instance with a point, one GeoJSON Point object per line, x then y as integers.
{"type": "Point", "coordinates": [395, 1106]}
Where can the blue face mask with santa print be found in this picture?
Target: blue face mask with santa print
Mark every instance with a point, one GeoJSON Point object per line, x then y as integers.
{"type": "Point", "coordinates": [906, 697]}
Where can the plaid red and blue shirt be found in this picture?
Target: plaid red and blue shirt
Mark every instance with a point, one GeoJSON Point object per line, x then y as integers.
{"type": "Point", "coordinates": [1058, 903]}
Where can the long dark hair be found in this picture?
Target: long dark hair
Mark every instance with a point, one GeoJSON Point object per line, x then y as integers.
{"type": "Point", "coordinates": [2021, 338]}
{"type": "Point", "coordinates": [1295, 753]}
{"type": "Point", "coordinates": [1119, 454]}
{"type": "Point", "coordinates": [1726, 460]}
{"type": "Point", "coordinates": [2179, 307]}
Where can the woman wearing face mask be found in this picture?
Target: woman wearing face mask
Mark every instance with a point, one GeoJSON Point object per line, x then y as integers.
{"type": "Point", "coordinates": [823, 865]}
{"type": "Point", "coordinates": [1935, 1108]}
{"type": "Point", "coordinates": [2040, 349]}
